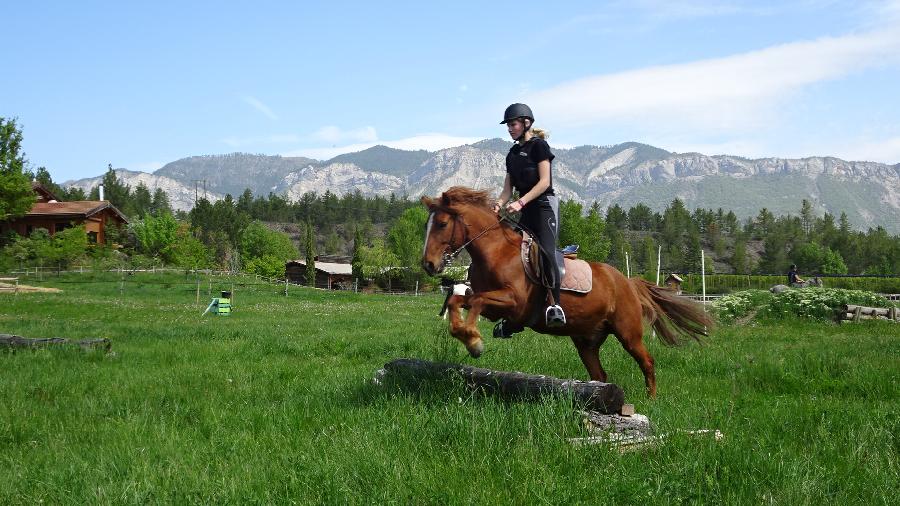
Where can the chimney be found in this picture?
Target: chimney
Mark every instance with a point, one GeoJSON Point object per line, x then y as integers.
{"type": "Point", "coordinates": [101, 192]}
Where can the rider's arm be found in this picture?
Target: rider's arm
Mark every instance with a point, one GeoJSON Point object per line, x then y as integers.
{"type": "Point", "coordinates": [504, 194]}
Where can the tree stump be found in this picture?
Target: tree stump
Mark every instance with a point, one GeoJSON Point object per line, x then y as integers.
{"type": "Point", "coordinates": [591, 395]}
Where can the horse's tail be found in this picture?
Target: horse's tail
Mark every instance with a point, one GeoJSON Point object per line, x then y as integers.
{"type": "Point", "coordinates": [671, 315]}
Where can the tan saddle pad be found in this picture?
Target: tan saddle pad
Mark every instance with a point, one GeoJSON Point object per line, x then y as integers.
{"type": "Point", "coordinates": [577, 278]}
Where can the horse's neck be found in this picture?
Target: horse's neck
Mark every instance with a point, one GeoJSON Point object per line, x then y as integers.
{"type": "Point", "coordinates": [496, 247]}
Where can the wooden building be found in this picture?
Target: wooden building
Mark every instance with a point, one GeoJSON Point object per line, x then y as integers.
{"type": "Point", "coordinates": [673, 281]}
{"type": "Point", "coordinates": [54, 216]}
{"type": "Point", "coordinates": [331, 275]}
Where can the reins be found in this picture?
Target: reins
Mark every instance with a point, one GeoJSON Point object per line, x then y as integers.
{"type": "Point", "coordinates": [449, 256]}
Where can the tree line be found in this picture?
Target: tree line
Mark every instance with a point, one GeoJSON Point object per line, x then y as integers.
{"type": "Point", "coordinates": [384, 235]}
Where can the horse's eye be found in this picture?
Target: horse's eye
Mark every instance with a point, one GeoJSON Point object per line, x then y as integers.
{"type": "Point", "coordinates": [441, 225]}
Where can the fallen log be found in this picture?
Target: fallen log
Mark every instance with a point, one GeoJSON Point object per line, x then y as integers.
{"type": "Point", "coordinates": [857, 313]}
{"type": "Point", "coordinates": [592, 395]}
{"type": "Point", "coordinates": [10, 341]}
{"type": "Point", "coordinates": [879, 311]}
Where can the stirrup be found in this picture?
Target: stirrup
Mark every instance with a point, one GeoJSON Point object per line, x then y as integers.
{"type": "Point", "coordinates": [554, 316]}
{"type": "Point", "coordinates": [504, 330]}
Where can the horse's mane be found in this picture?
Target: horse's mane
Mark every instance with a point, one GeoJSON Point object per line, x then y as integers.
{"type": "Point", "coordinates": [464, 195]}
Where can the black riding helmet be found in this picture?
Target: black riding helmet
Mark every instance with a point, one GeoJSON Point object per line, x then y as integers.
{"type": "Point", "coordinates": [517, 111]}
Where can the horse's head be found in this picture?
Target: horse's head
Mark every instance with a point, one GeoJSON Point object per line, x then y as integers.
{"type": "Point", "coordinates": [445, 230]}
{"type": "Point", "coordinates": [442, 234]}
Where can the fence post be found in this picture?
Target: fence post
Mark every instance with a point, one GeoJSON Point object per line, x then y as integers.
{"type": "Point", "coordinates": [198, 290]}
{"type": "Point", "coordinates": [417, 288]}
{"type": "Point", "coordinates": [658, 262]}
{"type": "Point", "coordinates": [285, 286]}
{"type": "Point", "coordinates": [355, 285]}
{"type": "Point", "coordinates": [703, 275]}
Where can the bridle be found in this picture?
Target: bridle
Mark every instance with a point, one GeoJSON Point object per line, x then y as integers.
{"type": "Point", "coordinates": [448, 256]}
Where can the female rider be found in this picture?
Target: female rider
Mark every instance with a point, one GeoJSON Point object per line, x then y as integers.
{"type": "Point", "coordinates": [528, 170]}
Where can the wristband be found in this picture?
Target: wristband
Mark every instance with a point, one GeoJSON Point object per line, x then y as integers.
{"type": "Point", "coordinates": [521, 203]}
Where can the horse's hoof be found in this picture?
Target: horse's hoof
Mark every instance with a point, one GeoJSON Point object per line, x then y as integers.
{"type": "Point", "coordinates": [476, 349]}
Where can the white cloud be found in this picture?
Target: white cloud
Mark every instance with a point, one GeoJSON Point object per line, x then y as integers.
{"type": "Point", "coordinates": [259, 106]}
{"type": "Point", "coordinates": [735, 93]}
{"type": "Point", "coordinates": [334, 135]}
{"type": "Point", "coordinates": [428, 142]}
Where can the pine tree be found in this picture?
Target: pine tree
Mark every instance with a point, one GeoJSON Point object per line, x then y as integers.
{"type": "Point", "coordinates": [310, 255]}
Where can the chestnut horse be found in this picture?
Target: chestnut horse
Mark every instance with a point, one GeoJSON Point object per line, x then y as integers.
{"type": "Point", "coordinates": [462, 218]}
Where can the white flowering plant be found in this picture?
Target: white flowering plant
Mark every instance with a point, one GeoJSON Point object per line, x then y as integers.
{"type": "Point", "coordinates": [820, 303]}
{"type": "Point", "coordinates": [739, 304]}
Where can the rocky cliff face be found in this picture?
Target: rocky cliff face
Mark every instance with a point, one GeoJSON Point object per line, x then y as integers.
{"type": "Point", "coordinates": [339, 178]}
{"type": "Point", "coordinates": [626, 174]}
{"type": "Point", "coordinates": [181, 196]}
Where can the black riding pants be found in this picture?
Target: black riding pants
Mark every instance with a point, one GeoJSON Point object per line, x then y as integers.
{"type": "Point", "coordinates": [541, 218]}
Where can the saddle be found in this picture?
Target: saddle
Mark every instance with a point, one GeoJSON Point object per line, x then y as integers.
{"type": "Point", "coordinates": [575, 273]}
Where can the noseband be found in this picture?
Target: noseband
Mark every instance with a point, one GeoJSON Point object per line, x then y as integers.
{"type": "Point", "coordinates": [448, 255]}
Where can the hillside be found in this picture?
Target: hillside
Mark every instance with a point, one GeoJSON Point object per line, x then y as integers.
{"type": "Point", "coordinates": [625, 173]}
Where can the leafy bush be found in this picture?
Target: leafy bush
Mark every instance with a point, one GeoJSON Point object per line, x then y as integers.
{"type": "Point", "coordinates": [740, 304]}
{"type": "Point", "coordinates": [267, 266]}
{"type": "Point", "coordinates": [818, 302]}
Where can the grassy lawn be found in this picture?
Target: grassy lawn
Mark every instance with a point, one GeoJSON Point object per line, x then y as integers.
{"type": "Point", "coordinates": [274, 404]}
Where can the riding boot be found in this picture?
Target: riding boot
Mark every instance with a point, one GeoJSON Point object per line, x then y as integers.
{"type": "Point", "coordinates": [504, 329]}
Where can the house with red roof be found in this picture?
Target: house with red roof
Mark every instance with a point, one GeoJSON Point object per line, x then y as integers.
{"type": "Point", "coordinates": [55, 216]}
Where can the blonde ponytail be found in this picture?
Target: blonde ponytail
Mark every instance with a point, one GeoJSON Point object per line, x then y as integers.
{"type": "Point", "coordinates": [539, 132]}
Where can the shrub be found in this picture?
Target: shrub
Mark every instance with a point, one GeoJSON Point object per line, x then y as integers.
{"type": "Point", "coordinates": [739, 304]}
{"type": "Point", "coordinates": [820, 303]}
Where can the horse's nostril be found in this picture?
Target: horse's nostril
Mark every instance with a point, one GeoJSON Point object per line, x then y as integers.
{"type": "Point", "coordinates": [428, 266]}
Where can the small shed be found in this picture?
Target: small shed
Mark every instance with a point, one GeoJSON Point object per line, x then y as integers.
{"type": "Point", "coordinates": [331, 275]}
{"type": "Point", "coordinates": [674, 281]}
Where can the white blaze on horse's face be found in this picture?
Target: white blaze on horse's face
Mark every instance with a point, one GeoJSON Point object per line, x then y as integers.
{"type": "Point", "coordinates": [428, 231]}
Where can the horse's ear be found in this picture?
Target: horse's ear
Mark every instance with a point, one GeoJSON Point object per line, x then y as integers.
{"type": "Point", "coordinates": [426, 201]}
{"type": "Point", "coordinates": [445, 200]}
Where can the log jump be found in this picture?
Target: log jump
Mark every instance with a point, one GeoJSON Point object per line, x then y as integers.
{"type": "Point", "coordinates": [11, 342]}
{"type": "Point", "coordinates": [592, 395]}
{"type": "Point", "coordinates": [851, 312]}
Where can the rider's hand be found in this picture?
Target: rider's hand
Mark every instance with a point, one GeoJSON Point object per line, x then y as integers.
{"type": "Point", "coordinates": [496, 207]}
{"type": "Point", "coordinates": [514, 207]}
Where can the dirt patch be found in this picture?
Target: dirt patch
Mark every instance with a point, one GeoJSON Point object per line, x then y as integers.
{"type": "Point", "coordinates": [740, 322]}
{"type": "Point", "coordinates": [8, 288]}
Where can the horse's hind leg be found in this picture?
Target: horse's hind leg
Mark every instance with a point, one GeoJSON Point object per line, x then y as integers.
{"type": "Point", "coordinates": [589, 351]}
{"type": "Point", "coordinates": [632, 339]}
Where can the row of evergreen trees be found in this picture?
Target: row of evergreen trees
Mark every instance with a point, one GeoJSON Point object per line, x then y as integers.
{"type": "Point", "coordinates": [216, 233]}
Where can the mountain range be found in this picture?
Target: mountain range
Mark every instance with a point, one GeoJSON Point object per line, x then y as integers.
{"type": "Point", "coordinates": [624, 174]}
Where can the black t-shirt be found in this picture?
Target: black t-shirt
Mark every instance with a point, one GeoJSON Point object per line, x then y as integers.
{"type": "Point", "coordinates": [792, 276]}
{"type": "Point", "coordinates": [522, 164]}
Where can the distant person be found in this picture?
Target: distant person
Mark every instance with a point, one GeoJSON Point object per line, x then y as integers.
{"type": "Point", "coordinates": [794, 279]}
{"type": "Point", "coordinates": [528, 170]}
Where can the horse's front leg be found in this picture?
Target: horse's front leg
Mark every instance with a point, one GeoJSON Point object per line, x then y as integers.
{"type": "Point", "coordinates": [467, 332]}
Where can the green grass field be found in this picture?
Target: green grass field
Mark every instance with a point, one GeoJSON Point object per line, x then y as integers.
{"type": "Point", "coordinates": [275, 405]}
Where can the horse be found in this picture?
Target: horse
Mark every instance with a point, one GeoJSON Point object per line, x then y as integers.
{"type": "Point", "coordinates": [462, 218]}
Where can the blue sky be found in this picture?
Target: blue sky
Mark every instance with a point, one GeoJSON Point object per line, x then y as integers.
{"type": "Point", "coordinates": [138, 86]}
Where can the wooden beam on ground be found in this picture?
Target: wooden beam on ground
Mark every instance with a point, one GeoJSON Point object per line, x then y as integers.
{"type": "Point", "coordinates": [10, 341]}
{"type": "Point", "coordinates": [592, 395]}
{"type": "Point", "coordinates": [856, 313]}
{"type": "Point", "coordinates": [871, 311]}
